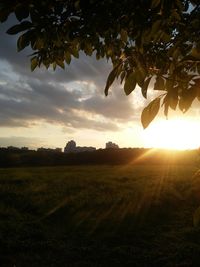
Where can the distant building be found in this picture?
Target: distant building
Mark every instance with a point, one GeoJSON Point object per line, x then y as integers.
{"type": "Point", "coordinates": [72, 148]}
{"type": "Point", "coordinates": [111, 145]}
{"type": "Point", "coordinates": [49, 149]}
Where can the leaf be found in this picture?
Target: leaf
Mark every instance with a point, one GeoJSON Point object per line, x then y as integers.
{"type": "Point", "coordinates": [20, 27]}
{"type": "Point", "coordinates": [165, 37]}
{"type": "Point", "coordinates": [3, 15]}
{"type": "Point", "coordinates": [22, 42]}
{"type": "Point", "coordinates": [54, 66]}
{"type": "Point", "coordinates": [198, 68]}
{"type": "Point", "coordinates": [188, 97]}
{"type": "Point", "coordinates": [130, 83]}
{"type": "Point", "coordinates": [77, 5]}
{"type": "Point", "coordinates": [159, 84]}
{"type": "Point", "coordinates": [170, 101]}
{"type": "Point", "coordinates": [166, 105]}
{"type": "Point", "coordinates": [140, 73]}
{"type": "Point", "coordinates": [197, 88]}
{"type": "Point", "coordinates": [74, 52]}
{"type": "Point", "coordinates": [39, 43]}
{"type": "Point", "coordinates": [145, 87]}
{"type": "Point", "coordinates": [155, 28]}
{"type": "Point", "coordinates": [155, 3]}
{"type": "Point", "coordinates": [122, 76]}
{"type": "Point", "coordinates": [176, 15]}
{"type": "Point", "coordinates": [124, 35]}
{"type": "Point", "coordinates": [21, 12]}
{"type": "Point", "coordinates": [110, 80]}
{"type": "Point", "coordinates": [88, 49]}
{"type": "Point", "coordinates": [60, 63]}
{"type": "Point", "coordinates": [119, 70]}
{"type": "Point", "coordinates": [97, 56]}
{"type": "Point", "coordinates": [173, 101]}
{"type": "Point", "coordinates": [60, 53]}
{"type": "Point", "coordinates": [34, 15]}
{"type": "Point", "coordinates": [166, 109]}
{"type": "Point", "coordinates": [182, 104]}
{"type": "Point", "coordinates": [180, 5]}
{"type": "Point", "coordinates": [195, 53]}
{"type": "Point", "coordinates": [169, 85]}
{"type": "Point", "coordinates": [46, 63]}
{"type": "Point", "coordinates": [150, 112]}
{"type": "Point", "coordinates": [185, 103]}
{"type": "Point", "coordinates": [15, 29]}
{"type": "Point", "coordinates": [58, 7]}
{"type": "Point", "coordinates": [34, 63]}
{"type": "Point", "coordinates": [67, 57]}
{"type": "Point", "coordinates": [196, 217]}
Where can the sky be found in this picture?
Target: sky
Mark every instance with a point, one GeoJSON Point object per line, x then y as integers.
{"type": "Point", "coordinates": [47, 109]}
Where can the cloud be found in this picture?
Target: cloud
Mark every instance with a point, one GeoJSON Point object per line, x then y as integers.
{"type": "Point", "coordinates": [21, 141]}
{"type": "Point", "coordinates": [73, 98]}
{"type": "Point", "coordinates": [84, 68]}
{"type": "Point", "coordinates": [27, 103]}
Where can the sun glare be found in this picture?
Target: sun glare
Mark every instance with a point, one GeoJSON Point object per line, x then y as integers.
{"type": "Point", "coordinates": [173, 134]}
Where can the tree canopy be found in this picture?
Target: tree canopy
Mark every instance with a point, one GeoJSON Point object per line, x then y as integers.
{"type": "Point", "coordinates": [146, 40]}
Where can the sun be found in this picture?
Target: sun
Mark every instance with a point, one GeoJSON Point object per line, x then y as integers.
{"type": "Point", "coordinates": [174, 133]}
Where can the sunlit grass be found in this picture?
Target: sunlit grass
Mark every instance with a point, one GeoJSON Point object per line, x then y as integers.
{"type": "Point", "coordinates": [89, 214]}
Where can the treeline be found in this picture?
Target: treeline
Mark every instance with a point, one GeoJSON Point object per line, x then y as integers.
{"type": "Point", "coordinates": [23, 158]}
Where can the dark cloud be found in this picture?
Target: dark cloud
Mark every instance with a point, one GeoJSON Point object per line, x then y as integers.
{"type": "Point", "coordinates": [115, 106]}
{"type": "Point", "coordinates": [54, 104]}
{"type": "Point", "coordinates": [27, 97]}
{"type": "Point", "coordinates": [84, 68]}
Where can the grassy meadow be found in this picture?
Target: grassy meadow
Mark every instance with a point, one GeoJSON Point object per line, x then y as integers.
{"type": "Point", "coordinates": [129, 215]}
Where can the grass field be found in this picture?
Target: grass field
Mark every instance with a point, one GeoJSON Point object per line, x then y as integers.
{"type": "Point", "coordinates": [99, 216]}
